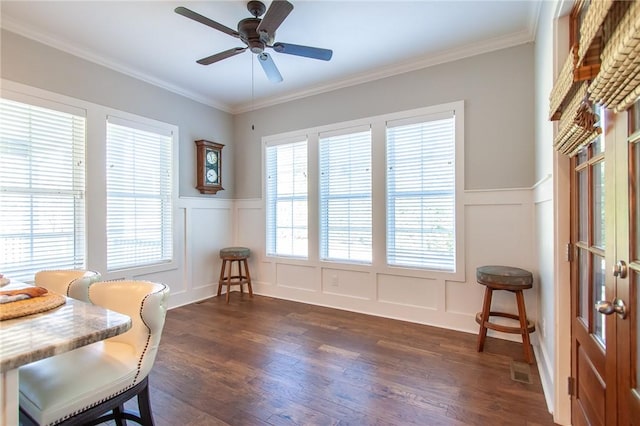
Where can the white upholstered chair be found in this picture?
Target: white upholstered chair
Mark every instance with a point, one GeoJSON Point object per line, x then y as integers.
{"type": "Point", "coordinates": [90, 385]}
{"type": "Point", "coordinates": [69, 282]}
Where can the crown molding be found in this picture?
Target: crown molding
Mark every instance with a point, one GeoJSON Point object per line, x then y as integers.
{"type": "Point", "coordinates": [426, 61]}
{"type": "Point", "coordinates": [451, 55]}
{"type": "Point", "coordinates": [30, 33]}
{"type": "Point", "coordinates": [535, 18]}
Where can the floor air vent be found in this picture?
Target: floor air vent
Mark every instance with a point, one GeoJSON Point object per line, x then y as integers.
{"type": "Point", "coordinates": [520, 372]}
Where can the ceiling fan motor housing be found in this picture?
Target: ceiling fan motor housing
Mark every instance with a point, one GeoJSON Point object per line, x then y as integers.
{"type": "Point", "coordinates": [249, 34]}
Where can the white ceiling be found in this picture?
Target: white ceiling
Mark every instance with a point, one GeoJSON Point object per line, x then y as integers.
{"type": "Point", "coordinates": [369, 39]}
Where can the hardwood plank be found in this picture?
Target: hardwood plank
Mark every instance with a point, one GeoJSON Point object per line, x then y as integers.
{"type": "Point", "coordinates": [265, 361]}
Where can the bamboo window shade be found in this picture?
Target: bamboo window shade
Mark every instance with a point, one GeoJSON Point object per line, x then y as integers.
{"type": "Point", "coordinates": [578, 124]}
{"type": "Point", "coordinates": [617, 85]}
{"type": "Point", "coordinates": [603, 67]}
{"type": "Point", "coordinates": [562, 87]}
{"type": "Point", "coordinates": [593, 20]}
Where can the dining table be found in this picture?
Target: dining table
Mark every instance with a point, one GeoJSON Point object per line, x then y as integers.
{"type": "Point", "coordinates": [30, 338]}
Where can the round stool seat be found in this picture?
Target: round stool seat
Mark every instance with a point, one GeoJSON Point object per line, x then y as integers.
{"type": "Point", "coordinates": [234, 276]}
{"type": "Point", "coordinates": [512, 279]}
{"type": "Point", "coordinates": [234, 252]}
{"type": "Point", "coordinates": [504, 277]}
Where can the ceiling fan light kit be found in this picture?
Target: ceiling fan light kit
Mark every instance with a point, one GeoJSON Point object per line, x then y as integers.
{"type": "Point", "coordinates": [258, 34]}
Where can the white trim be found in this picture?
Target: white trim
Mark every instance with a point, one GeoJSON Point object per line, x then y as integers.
{"type": "Point", "coordinates": [542, 181]}
{"type": "Point", "coordinates": [377, 124]}
{"type": "Point", "coordinates": [144, 124]}
{"type": "Point", "coordinates": [430, 60]}
{"type": "Point", "coordinates": [10, 25]}
{"type": "Point", "coordinates": [486, 46]}
{"type": "Point", "coordinates": [96, 116]}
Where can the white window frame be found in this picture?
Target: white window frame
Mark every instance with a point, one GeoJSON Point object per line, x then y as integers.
{"type": "Point", "coordinates": [127, 239]}
{"type": "Point", "coordinates": [378, 129]}
{"type": "Point", "coordinates": [417, 191]}
{"type": "Point", "coordinates": [76, 251]}
{"type": "Point", "coordinates": [337, 227]}
{"type": "Point", "coordinates": [95, 200]}
{"type": "Point", "coordinates": [270, 208]}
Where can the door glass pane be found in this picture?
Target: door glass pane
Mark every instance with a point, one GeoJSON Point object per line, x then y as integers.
{"type": "Point", "coordinates": [583, 286]}
{"type": "Point", "coordinates": [598, 294]}
{"type": "Point", "coordinates": [598, 204]}
{"type": "Point", "coordinates": [635, 277]}
{"type": "Point", "coordinates": [582, 155]}
{"type": "Point", "coordinates": [634, 118]}
{"type": "Point", "coordinates": [636, 200]}
{"type": "Point", "coordinates": [583, 205]}
{"type": "Point", "coordinates": [598, 146]}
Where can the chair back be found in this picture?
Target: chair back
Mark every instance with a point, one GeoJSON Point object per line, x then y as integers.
{"type": "Point", "coordinates": [69, 282]}
{"type": "Point", "coordinates": [146, 303]}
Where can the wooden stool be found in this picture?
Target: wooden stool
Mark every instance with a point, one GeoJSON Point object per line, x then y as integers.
{"type": "Point", "coordinates": [239, 255]}
{"type": "Point", "coordinates": [510, 279]}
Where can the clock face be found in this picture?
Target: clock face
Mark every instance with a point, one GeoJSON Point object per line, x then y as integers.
{"type": "Point", "coordinates": [212, 176]}
{"type": "Point", "coordinates": [212, 157]}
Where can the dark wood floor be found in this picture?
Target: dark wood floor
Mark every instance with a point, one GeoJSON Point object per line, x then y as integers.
{"type": "Point", "coordinates": [265, 361]}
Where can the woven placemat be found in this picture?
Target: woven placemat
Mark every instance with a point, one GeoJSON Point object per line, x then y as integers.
{"type": "Point", "coordinates": [34, 305]}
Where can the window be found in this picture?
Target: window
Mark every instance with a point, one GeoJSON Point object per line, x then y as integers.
{"type": "Point", "coordinates": [421, 189]}
{"type": "Point", "coordinates": [345, 195]}
{"type": "Point", "coordinates": [139, 194]}
{"type": "Point", "coordinates": [42, 188]}
{"type": "Point", "coordinates": [383, 192]}
{"type": "Point", "coordinates": [286, 194]}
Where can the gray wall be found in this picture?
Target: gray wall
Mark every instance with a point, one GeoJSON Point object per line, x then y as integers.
{"type": "Point", "coordinates": [34, 64]}
{"type": "Point", "coordinates": [497, 87]}
{"type": "Point", "coordinates": [498, 90]}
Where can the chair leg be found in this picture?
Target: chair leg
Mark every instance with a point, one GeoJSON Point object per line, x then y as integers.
{"type": "Point", "coordinates": [117, 416]}
{"type": "Point", "coordinates": [522, 314]}
{"type": "Point", "coordinates": [25, 419]}
{"type": "Point", "coordinates": [486, 308]}
{"type": "Point", "coordinates": [144, 407]}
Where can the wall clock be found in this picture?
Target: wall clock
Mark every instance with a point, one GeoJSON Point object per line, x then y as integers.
{"type": "Point", "coordinates": [208, 166]}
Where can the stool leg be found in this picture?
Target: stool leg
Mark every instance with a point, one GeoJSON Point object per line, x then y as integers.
{"type": "Point", "coordinates": [221, 280]}
{"type": "Point", "coordinates": [486, 308]}
{"type": "Point", "coordinates": [228, 280]}
{"type": "Point", "coordinates": [240, 276]}
{"type": "Point", "coordinates": [522, 313]}
{"type": "Point", "coordinates": [246, 271]}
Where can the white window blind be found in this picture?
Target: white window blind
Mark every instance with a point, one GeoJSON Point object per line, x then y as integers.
{"type": "Point", "coordinates": [421, 193]}
{"type": "Point", "coordinates": [139, 195]}
{"type": "Point", "coordinates": [345, 196]}
{"type": "Point", "coordinates": [286, 199]}
{"type": "Point", "coordinates": [42, 187]}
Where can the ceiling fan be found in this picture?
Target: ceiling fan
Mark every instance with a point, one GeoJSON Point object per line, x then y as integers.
{"type": "Point", "coordinates": [258, 34]}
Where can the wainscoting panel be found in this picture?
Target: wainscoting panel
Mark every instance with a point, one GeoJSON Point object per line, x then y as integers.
{"type": "Point", "coordinates": [409, 291]}
{"type": "Point", "coordinates": [204, 226]}
{"type": "Point", "coordinates": [297, 277]}
{"type": "Point", "coordinates": [347, 283]}
{"type": "Point", "coordinates": [498, 230]}
{"type": "Point", "coordinates": [496, 235]}
{"type": "Point", "coordinates": [207, 234]}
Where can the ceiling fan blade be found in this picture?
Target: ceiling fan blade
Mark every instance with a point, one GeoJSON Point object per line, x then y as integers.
{"type": "Point", "coordinates": [306, 51]}
{"type": "Point", "coordinates": [206, 21]}
{"type": "Point", "coordinates": [220, 56]}
{"type": "Point", "coordinates": [276, 14]}
{"type": "Point", "coordinates": [269, 67]}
